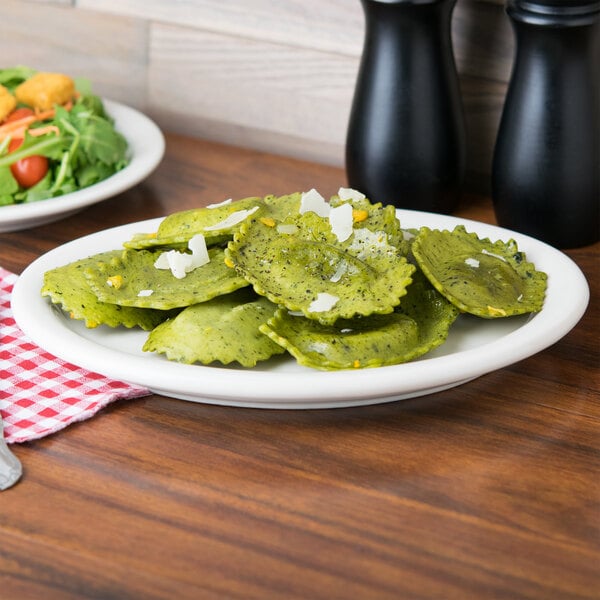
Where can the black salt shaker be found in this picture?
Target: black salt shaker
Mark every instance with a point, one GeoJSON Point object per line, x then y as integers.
{"type": "Point", "coordinates": [406, 141]}
{"type": "Point", "coordinates": [546, 168]}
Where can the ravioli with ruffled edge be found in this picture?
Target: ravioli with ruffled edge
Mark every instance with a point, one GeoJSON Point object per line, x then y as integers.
{"type": "Point", "coordinates": [420, 324]}
{"type": "Point", "coordinates": [67, 287]}
{"type": "Point", "coordinates": [130, 278]}
{"type": "Point", "coordinates": [216, 222]}
{"type": "Point", "coordinates": [480, 277]}
{"type": "Point", "coordinates": [302, 264]}
{"type": "Point", "coordinates": [223, 330]}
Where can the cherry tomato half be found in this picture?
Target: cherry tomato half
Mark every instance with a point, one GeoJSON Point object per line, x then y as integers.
{"type": "Point", "coordinates": [19, 113]}
{"type": "Point", "coordinates": [27, 171]}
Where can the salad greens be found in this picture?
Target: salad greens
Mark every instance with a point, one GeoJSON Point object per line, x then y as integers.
{"type": "Point", "coordinates": [79, 140]}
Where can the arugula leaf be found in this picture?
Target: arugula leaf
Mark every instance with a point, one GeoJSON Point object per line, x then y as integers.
{"type": "Point", "coordinates": [93, 104]}
{"type": "Point", "coordinates": [40, 191]}
{"type": "Point", "coordinates": [8, 184]}
{"type": "Point", "coordinates": [101, 142]}
{"type": "Point", "coordinates": [90, 174]}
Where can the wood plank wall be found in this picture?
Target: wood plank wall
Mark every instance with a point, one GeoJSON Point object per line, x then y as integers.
{"type": "Point", "coordinates": [277, 75]}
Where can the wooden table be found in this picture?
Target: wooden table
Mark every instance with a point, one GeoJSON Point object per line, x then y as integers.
{"type": "Point", "coordinates": [487, 490]}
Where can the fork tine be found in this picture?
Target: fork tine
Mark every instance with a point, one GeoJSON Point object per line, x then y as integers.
{"type": "Point", "coordinates": [10, 466]}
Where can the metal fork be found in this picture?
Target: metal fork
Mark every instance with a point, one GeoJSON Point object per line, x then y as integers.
{"type": "Point", "coordinates": [10, 466]}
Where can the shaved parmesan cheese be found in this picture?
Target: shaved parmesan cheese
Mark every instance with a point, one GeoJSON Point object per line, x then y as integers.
{"type": "Point", "coordinates": [340, 219]}
{"type": "Point", "coordinates": [233, 219]}
{"type": "Point", "coordinates": [472, 262]}
{"type": "Point", "coordinates": [177, 262]}
{"type": "Point", "coordinates": [367, 243]}
{"type": "Point", "coordinates": [484, 251]}
{"type": "Point", "coordinates": [312, 201]}
{"type": "Point", "coordinates": [287, 228]}
{"type": "Point", "coordinates": [224, 203]}
{"type": "Point", "coordinates": [162, 262]}
{"type": "Point", "coordinates": [350, 194]}
{"type": "Point", "coordinates": [320, 347]}
{"type": "Point", "coordinates": [181, 263]}
{"type": "Point", "coordinates": [323, 302]}
{"type": "Point", "coordinates": [199, 251]}
{"type": "Point", "coordinates": [340, 271]}
{"type": "Point", "coordinates": [144, 293]}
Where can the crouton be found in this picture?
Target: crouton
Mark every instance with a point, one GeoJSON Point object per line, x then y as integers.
{"type": "Point", "coordinates": [7, 103]}
{"type": "Point", "coordinates": [44, 90]}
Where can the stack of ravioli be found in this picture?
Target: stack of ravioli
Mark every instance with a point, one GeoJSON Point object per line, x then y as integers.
{"type": "Point", "coordinates": [336, 284]}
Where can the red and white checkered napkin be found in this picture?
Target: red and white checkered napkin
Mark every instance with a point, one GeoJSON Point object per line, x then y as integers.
{"type": "Point", "coordinates": [40, 393]}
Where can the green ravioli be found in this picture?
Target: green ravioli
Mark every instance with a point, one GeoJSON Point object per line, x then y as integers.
{"type": "Point", "coordinates": [338, 284]}
{"type": "Point", "coordinates": [212, 222]}
{"type": "Point", "coordinates": [433, 313]}
{"type": "Point", "coordinates": [419, 325]}
{"type": "Point", "coordinates": [225, 330]}
{"type": "Point", "coordinates": [67, 287]}
{"type": "Point", "coordinates": [150, 241]}
{"type": "Point", "coordinates": [310, 271]}
{"type": "Point", "coordinates": [281, 207]}
{"type": "Point", "coordinates": [129, 278]}
{"type": "Point", "coordinates": [479, 277]}
{"type": "Point", "coordinates": [356, 343]}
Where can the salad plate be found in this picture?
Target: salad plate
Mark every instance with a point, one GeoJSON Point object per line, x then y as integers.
{"type": "Point", "coordinates": [474, 347]}
{"type": "Point", "coordinates": [146, 146]}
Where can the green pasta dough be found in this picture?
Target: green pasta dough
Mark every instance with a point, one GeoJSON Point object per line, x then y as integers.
{"type": "Point", "coordinates": [67, 287]}
{"type": "Point", "coordinates": [417, 327]}
{"type": "Point", "coordinates": [223, 330]}
{"type": "Point", "coordinates": [308, 269]}
{"type": "Point", "coordinates": [130, 278]}
{"type": "Point", "coordinates": [486, 279]}
{"type": "Point", "coordinates": [335, 284]}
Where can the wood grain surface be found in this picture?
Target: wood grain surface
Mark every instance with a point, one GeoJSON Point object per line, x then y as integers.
{"type": "Point", "coordinates": [487, 490]}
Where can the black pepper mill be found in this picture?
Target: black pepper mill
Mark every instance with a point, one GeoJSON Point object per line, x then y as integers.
{"type": "Point", "coordinates": [406, 140]}
{"type": "Point", "coordinates": [546, 169]}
